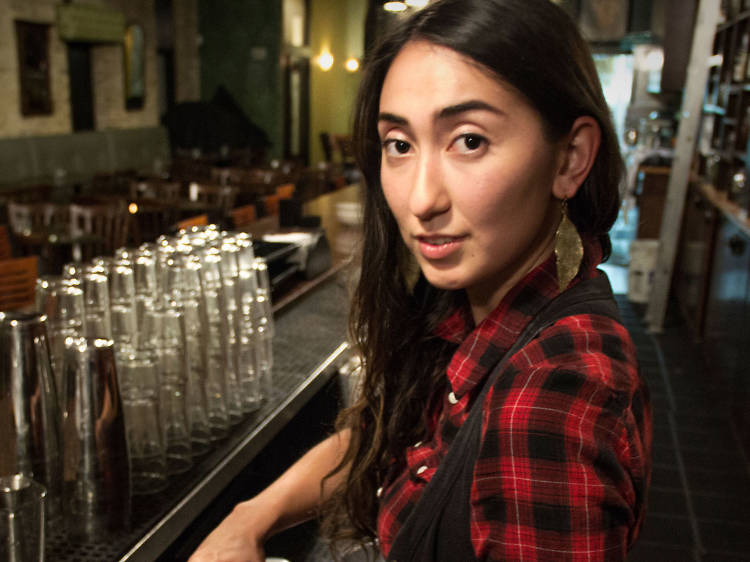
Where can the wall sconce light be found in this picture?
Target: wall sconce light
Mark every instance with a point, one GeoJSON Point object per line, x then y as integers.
{"type": "Point", "coordinates": [325, 61]}
{"type": "Point", "coordinates": [352, 64]}
{"type": "Point", "coordinates": [394, 6]}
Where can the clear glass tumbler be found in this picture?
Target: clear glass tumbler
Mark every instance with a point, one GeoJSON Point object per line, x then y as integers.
{"type": "Point", "coordinates": [22, 519]}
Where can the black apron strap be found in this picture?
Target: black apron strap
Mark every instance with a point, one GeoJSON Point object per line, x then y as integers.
{"type": "Point", "coordinates": [438, 529]}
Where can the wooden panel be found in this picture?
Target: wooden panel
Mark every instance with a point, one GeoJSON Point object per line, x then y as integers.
{"type": "Point", "coordinates": [651, 200]}
{"type": "Point", "coordinates": [728, 321]}
{"type": "Point", "coordinates": [693, 270]}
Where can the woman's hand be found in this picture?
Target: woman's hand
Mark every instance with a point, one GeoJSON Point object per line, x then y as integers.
{"type": "Point", "coordinates": [239, 538]}
{"type": "Point", "coordinates": [293, 498]}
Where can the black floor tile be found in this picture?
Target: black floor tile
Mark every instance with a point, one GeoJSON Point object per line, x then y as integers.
{"type": "Point", "coordinates": [718, 508]}
{"type": "Point", "coordinates": [714, 556]}
{"type": "Point", "coordinates": [666, 477]}
{"type": "Point", "coordinates": [667, 529]}
{"type": "Point", "coordinates": [698, 420]}
{"type": "Point", "coordinates": [664, 457]}
{"type": "Point", "coordinates": [700, 458]}
{"type": "Point", "coordinates": [723, 536]}
{"type": "Point", "coordinates": [667, 501]}
{"type": "Point", "coordinates": [663, 436]}
{"type": "Point", "coordinates": [651, 552]}
{"type": "Point", "coordinates": [731, 483]}
{"type": "Point", "coordinates": [715, 439]}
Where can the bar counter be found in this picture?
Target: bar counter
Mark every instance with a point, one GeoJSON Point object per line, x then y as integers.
{"type": "Point", "coordinates": [309, 347]}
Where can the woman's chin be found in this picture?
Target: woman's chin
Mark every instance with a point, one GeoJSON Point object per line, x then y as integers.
{"type": "Point", "coordinates": [441, 281]}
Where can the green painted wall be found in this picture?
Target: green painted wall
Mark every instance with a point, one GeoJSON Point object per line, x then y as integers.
{"type": "Point", "coordinates": [336, 25]}
{"type": "Point", "coordinates": [241, 49]}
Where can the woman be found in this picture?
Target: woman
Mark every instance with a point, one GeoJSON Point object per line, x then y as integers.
{"type": "Point", "coordinates": [492, 173]}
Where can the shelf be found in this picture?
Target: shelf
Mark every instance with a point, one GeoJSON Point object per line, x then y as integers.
{"type": "Point", "coordinates": [732, 88]}
{"type": "Point", "coordinates": [713, 109]}
{"type": "Point", "coordinates": [729, 209]}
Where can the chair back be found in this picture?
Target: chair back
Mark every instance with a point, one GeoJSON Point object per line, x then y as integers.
{"type": "Point", "coordinates": [285, 190]}
{"type": "Point", "coordinates": [211, 196]}
{"type": "Point", "coordinates": [17, 282]}
{"type": "Point", "coordinates": [198, 220]}
{"type": "Point", "coordinates": [5, 249]}
{"type": "Point", "coordinates": [107, 225]}
{"type": "Point", "coordinates": [25, 218]}
{"type": "Point", "coordinates": [271, 204]}
{"type": "Point", "coordinates": [155, 189]}
{"type": "Point", "coordinates": [151, 218]}
{"type": "Point", "coordinates": [343, 145]}
{"type": "Point", "coordinates": [244, 216]}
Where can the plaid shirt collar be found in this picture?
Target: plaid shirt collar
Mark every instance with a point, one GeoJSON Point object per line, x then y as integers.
{"type": "Point", "coordinates": [482, 346]}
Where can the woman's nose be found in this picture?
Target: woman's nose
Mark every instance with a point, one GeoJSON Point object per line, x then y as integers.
{"type": "Point", "coordinates": [428, 196]}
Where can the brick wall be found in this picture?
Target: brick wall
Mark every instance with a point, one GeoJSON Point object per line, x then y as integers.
{"type": "Point", "coordinates": [107, 68]}
{"type": "Point", "coordinates": [12, 123]}
{"type": "Point", "coordinates": [186, 50]}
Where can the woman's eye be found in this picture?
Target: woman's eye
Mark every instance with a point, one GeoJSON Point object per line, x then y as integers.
{"type": "Point", "coordinates": [395, 147]}
{"type": "Point", "coordinates": [470, 143]}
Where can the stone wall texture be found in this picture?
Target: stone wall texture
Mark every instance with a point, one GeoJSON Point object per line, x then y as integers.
{"type": "Point", "coordinates": [107, 68]}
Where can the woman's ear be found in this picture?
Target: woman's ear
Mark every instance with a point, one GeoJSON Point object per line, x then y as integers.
{"type": "Point", "coordinates": [578, 153]}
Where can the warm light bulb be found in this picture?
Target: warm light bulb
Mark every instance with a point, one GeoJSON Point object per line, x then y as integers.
{"type": "Point", "coordinates": [352, 64]}
{"type": "Point", "coordinates": [325, 61]}
{"type": "Point", "coordinates": [394, 6]}
{"type": "Point", "coordinates": [133, 208]}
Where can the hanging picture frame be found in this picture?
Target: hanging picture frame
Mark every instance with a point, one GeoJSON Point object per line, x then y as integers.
{"type": "Point", "coordinates": [134, 50]}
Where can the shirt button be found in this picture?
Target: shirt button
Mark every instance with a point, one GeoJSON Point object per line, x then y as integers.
{"type": "Point", "coordinates": [452, 398]}
{"type": "Point", "coordinates": [421, 469]}
{"type": "Point", "coordinates": [379, 492]}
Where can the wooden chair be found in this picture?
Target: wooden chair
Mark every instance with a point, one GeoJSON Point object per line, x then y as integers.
{"type": "Point", "coordinates": [342, 144]}
{"type": "Point", "coordinates": [5, 249]}
{"type": "Point", "coordinates": [17, 282]}
{"type": "Point", "coordinates": [151, 218]}
{"type": "Point", "coordinates": [31, 218]}
{"type": "Point", "coordinates": [285, 190]}
{"type": "Point", "coordinates": [100, 229]}
{"type": "Point", "coordinates": [160, 190]}
{"type": "Point", "coordinates": [198, 220]}
{"type": "Point", "coordinates": [315, 181]}
{"type": "Point", "coordinates": [244, 216]}
{"type": "Point", "coordinates": [216, 201]}
{"type": "Point", "coordinates": [250, 183]}
{"type": "Point", "coordinates": [271, 204]}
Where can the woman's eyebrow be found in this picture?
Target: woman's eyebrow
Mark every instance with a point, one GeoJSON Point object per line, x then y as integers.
{"type": "Point", "coordinates": [392, 118]}
{"type": "Point", "coordinates": [463, 107]}
{"type": "Point", "coordinates": [445, 113]}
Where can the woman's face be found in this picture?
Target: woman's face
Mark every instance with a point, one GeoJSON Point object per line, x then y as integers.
{"type": "Point", "coordinates": [467, 172]}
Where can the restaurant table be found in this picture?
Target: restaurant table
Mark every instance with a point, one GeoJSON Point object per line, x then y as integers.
{"type": "Point", "coordinates": [309, 347]}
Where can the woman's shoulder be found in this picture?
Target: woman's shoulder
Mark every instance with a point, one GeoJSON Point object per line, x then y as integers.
{"type": "Point", "coordinates": [594, 349]}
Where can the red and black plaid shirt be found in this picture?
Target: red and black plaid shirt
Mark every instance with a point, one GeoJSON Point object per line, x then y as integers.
{"type": "Point", "coordinates": [564, 462]}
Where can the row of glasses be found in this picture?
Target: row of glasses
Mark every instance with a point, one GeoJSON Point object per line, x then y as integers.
{"type": "Point", "coordinates": [191, 325]}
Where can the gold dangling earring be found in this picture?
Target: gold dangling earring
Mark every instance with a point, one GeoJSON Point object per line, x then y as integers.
{"type": "Point", "coordinates": [568, 249]}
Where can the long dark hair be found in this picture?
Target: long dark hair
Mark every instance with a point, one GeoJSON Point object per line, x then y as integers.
{"type": "Point", "coordinates": [535, 47]}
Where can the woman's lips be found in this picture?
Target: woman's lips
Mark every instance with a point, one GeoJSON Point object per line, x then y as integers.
{"type": "Point", "coordinates": [438, 247]}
